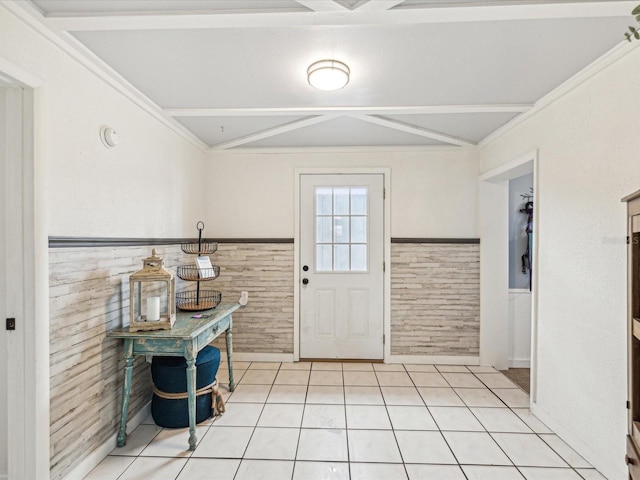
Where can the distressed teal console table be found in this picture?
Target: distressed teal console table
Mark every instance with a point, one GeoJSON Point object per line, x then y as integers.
{"type": "Point", "coordinates": [187, 337]}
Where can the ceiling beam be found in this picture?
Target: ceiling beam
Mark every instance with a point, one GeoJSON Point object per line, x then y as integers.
{"type": "Point", "coordinates": [272, 132]}
{"type": "Point", "coordinates": [323, 5]}
{"type": "Point", "coordinates": [378, 5]}
{"type": "Point", "coordinates": [403, 16]}
{"type": "Point", "coordinates": [289, 111]}
{"type": "Point", "coordinates": [412, 129]}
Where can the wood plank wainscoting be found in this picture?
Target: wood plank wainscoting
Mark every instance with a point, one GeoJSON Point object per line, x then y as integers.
{"type": "Point", "coordinates": [89, 295]}
{"type": "Point", "coordinates": [435, 297]}
{"type": "Point", "coordinates": [265, 270]}
{"type": "Point", "coordinates": [434, 311]}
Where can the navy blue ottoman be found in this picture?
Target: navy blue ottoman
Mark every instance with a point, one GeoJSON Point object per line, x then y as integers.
{"type": "Point", "coordinates": [169, 376]}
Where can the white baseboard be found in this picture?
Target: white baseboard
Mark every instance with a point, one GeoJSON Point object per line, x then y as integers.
{"type": "Point", "coordinates": [525, 291]}
{"type": "Point", "coordinates": [433, 359]}
{"type": "Point", "coordinates": [417, 359]}
{"type": "Point", "coordinates": [519, 363]}
{"type": "Point", "coordinates": [610, 468]}
{"type": "Point", "coordinates": [260, 357]}
{"type": "Point", "coordinates": [90, 462]}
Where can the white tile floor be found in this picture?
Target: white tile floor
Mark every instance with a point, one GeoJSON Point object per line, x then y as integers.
{"type": "Point", "coordinates": [358, 421]}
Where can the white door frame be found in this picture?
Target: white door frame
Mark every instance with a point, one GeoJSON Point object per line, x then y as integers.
{"type": "Point", "coordinates": [28, 377]}
{"type": "Point", "coordinates": [494, 264]}
{"type": "Point", "coordinates": [386, 172]}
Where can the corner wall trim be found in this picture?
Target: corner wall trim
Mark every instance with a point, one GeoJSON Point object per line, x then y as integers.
{"type": "Point", "coordinates": [73, 242]}
{"type": "Point", "coordinates": [435, 240]}
{"type": "Point", "coordinates": [254, 240]}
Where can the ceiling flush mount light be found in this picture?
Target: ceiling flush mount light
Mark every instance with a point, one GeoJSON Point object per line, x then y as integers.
{"type": "Point", "coordinates": [328, 74]}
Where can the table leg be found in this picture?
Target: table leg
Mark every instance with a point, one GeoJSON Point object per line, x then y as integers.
{"type": "Point", "coordinates": [126, 392]}
{"type": "Point", "coordinates": [191, 400]}
{"type": "Point", "coordinates": [229, 340]}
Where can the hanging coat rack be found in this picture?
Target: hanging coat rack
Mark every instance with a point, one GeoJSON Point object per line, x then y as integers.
{"type": "Point", "coordinates": [527, 256]}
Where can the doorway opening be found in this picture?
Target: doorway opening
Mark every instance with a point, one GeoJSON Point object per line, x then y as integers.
{"type": "Point", "coordinates": [508, 313]}
{"type": "Point", "coordinates": [521, 212]}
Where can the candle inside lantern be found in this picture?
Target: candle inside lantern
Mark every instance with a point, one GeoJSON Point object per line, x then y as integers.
{"type": "Point", "coordinates": [153, 309]}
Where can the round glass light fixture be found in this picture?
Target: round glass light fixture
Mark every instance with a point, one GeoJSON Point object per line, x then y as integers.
{"type": "Point", "coordinates": [328, 74]}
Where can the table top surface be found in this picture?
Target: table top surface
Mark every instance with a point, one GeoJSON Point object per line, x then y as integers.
{"type": "Point", "coordinates": [185, 327]}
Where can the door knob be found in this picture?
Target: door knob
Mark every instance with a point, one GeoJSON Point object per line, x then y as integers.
{"type": "Point", "coordinates": [305, 281]}
{"type": "Point", "coordinates": [305, 268]}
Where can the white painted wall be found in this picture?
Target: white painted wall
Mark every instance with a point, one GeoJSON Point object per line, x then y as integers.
{"type": "Point", "coordinates": [588, 159]}
{"type": "Point", "coordinates": [146, 187]}
{"type": "Point", "coordinates": [519, 328]}
{"type": "Point", "coordinates": [434, 191]}
{"type": "Point", "coordinates": [494, 274]}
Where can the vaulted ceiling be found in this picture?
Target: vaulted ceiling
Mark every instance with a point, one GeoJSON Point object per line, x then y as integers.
{"type": "Point", "coordinates": [423, 72]}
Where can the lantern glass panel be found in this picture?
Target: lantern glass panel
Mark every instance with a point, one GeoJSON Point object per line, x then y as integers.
{"type": "Point", "coordinates": [142, 291]}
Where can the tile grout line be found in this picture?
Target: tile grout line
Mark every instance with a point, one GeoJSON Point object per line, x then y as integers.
{"type": "Point", "coordinates": [492, 437]}
{"type": "Point", "coordinates": [139, 454]}
{"type": "Point", "coordinates": [295, 455]}
{"type": "Point", "coordinates": [346, 424]}
{"type": "Point", "coordinates": [304, 408]}
{"type": "Point", "coordinates": [197, 444]}
{"type": "Point", "coordinates": [255, 426]}
{"type": "Point", "coordinates": [386, 407]}
{"type": "Point", "coordinates": [532, 430]}
{"type": "Point", "coordinates": [279, 369]}
{"type": "Point", "coordinates": [438, 425]}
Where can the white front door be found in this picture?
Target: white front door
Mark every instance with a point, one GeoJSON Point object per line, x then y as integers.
{"type": "Point", "coordinates": [342, 266]}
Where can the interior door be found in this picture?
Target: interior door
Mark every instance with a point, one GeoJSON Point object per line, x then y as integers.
{"type": "Point", "coordinates": [14, 242]}
{"type": "Point", "coordinates": [4, 312]}
{"type": "Point", "coordinates": [342, 266]}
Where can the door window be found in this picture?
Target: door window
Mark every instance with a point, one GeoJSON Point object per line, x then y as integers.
{"type": "Point", "coordinates": [341, 229]}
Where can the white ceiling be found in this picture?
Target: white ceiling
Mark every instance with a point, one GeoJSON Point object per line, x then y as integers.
{"type": "Point", "coordinates": [424, 72]}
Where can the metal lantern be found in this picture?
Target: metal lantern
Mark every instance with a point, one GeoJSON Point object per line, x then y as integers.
{"type": "Point", "coordinates": [152, 296]}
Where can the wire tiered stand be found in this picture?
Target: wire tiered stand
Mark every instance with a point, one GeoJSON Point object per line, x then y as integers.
{"type": "Point", "coordinates": [201, 298]}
